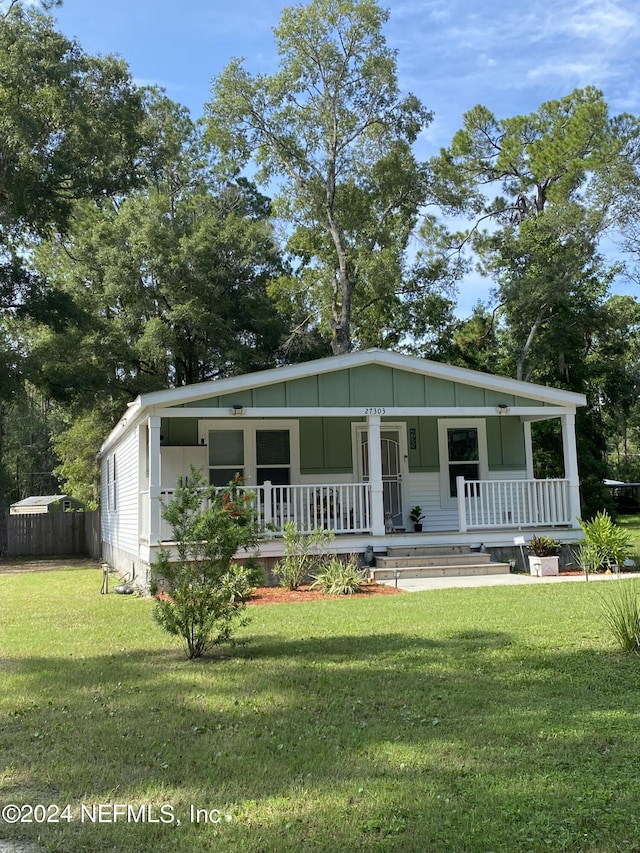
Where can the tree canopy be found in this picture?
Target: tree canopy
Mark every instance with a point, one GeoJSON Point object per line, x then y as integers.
{"type": "Point", "coordinates": [332, 126]}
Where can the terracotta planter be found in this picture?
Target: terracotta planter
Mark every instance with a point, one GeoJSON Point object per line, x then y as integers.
{"type": "Point", "coordinates": [543, 566]}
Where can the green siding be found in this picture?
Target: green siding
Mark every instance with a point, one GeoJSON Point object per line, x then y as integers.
{"type": "Point", "coordinates": [409, 389]}
{"type": "Point", "coordinates": [209, 403]}
{"type": "Point", "coordinates": [334, 389]}
{"type": "Point", "coordinates": [440, 392]}
{"type": "Point", "coordinates": [179, 432]}
{"type": "Point", "coordinates": [371, 385]}
{"type": "Point", "coordinates": [424, 457]}
{"type": "Point", "coordinates": [240, 398]}
{"type": "Point", "coordinates": [325, 446]}
{"type": "Point", "coordinates": [497, 398]}
{"type": "Point", "coordinates": [303, 392]}
{"type": "Point", "coordinates": [494, 447]}
{"type": "Point", "coordinates": [270, 396]}
{"type": "Point", "coordinates": [311, 445]}
{"type": "Point", "coordinates": [513, 452]}
{"type": "Point", "coordinates": [505, 444]}
{"type": "Point", "coordinates": [469, 395]}
{"type": "Point", "coordinates": [525, 401]}
{"type": "Point", "coordinates": [367, 385]}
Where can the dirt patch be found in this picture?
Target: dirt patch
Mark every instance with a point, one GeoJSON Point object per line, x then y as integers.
{"type": "Point", "coordinates": [279, 595]}
{"type": "Point", "coordinates": [44, 564]}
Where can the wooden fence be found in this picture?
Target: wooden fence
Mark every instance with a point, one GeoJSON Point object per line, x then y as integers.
{"type": "Point", "coordinates": [54, 534]}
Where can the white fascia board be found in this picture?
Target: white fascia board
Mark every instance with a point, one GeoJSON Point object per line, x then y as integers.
{"type": "Point", "coordinates": [133, 414]}
{"type": "Point", "coordinates": [218, 387]}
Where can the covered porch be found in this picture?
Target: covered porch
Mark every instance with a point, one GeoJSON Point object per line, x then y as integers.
{"type": "Point", "coordinates": [376, 506]}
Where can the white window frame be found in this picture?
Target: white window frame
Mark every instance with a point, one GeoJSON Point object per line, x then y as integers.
{"type": "Point", "coordinates": [249, 429]}
{"type": "Point", "coordinates": [112, 498]}
{"type": "Point", "coordinates": [479, 424]}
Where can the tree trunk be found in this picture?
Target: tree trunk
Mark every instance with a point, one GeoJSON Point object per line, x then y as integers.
{"type": "Point", "coordinates": [529, 343]}
{"type": "Point", "coordinates": [342, 297]}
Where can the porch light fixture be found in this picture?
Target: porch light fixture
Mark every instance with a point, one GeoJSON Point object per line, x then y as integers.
{"type": "Point", "coordinates": [237, 409]}
{"type": "Point", "coordinates": [502, 409]}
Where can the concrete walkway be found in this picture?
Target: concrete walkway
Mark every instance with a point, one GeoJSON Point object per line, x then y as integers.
{"type": "Point", "coordinates": [421, 584]}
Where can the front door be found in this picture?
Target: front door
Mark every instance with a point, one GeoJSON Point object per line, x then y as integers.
{"type": "Point", "coordinates": [393, 452]}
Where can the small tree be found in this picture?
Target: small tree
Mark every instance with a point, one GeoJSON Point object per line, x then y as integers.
{"type": "Point", "coordinates": [207, 591]}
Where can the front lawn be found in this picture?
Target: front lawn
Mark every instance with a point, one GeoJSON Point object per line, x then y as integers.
{"type": "Point", "coordinates": [631, 523]}
{"type": "Point", "coordinates": [495, 719]}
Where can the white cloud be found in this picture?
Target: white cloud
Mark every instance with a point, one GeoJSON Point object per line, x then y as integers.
{"type": "Point", "coordinates": [573, 72]}
{"type": "Point", "coordinates": [604, 21]}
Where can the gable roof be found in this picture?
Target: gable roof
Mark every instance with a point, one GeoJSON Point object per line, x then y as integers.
{"type": "Point", "coordinates": [436, 369]}
{"type": "Point", "coordinates": [190, 394]}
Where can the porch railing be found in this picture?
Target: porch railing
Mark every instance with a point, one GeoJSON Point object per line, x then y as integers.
{"type": "Point", "coordinates": [341, 507]}
{"type": "Point", "coordinates": [484, 504]}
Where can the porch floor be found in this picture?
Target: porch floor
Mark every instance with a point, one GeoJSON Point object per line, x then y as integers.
{"type": "Point", "coordinates": [358, 543]}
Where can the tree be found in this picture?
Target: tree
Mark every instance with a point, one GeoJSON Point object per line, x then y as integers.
{"type": "Point", "coordinates": [164, 286]}
{"type": "Point", "coordinates": [540, 190]}
{"type": "Point", "coordinates": [614, 365]}
{"type": "Point", "coordinates": [203, 591]}
{"type": "Point", "coordinates": [69, 127]}
{"type": "Point", "coordinates": [178, 273]}
{"type": "Point", "coordinates": [332, 126]}
{"type": "Point", "coordinates": [537, 182]}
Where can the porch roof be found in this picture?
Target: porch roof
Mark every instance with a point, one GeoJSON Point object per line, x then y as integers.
{"type": "Point", "coordinates": [530, 399]}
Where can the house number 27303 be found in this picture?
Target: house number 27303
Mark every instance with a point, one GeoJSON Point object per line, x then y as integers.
{"type": "Point", "coordinates": [375, 410]}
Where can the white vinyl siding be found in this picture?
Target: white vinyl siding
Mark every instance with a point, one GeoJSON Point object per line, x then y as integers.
{"type": "Point", "coordinates": [120, 520]}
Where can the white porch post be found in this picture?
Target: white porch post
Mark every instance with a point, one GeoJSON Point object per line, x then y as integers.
{"type": "Point", "coordinates": [154, 480]}
{"type": "Point", "coordinates": [570, 453]}
{"type": "Point", "coordinates": [528, 449]}
{"type": "Point", "coordinates": [462, 506]}
{"type": "Point", "coordinates": [375, 476]}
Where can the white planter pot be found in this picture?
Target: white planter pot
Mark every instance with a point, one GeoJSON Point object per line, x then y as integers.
{"type": "Point", "coordinates": [543, 566]}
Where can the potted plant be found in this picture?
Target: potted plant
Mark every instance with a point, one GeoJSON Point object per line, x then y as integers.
{"type": "Point", "coordinates": [416, 517]}
{"type": "Point", "coordinates": [543, 560]}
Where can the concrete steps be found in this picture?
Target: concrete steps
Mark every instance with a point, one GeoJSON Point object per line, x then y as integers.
{"type": "Point", "coordinates": [435, 562]}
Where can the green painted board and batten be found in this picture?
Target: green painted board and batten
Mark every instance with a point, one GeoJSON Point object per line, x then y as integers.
{"type": "Point", "coordinates": [364, 386]}
{"type": "Point", "coordinates": [326, 442]}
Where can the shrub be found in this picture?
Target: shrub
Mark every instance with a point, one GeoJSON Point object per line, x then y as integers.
{"type": "Point", "coordinates": [544, 546]}
{"type": "Point", "coordinates": [207, 590]}
{"type": "Point", "coordinates": [337, 577]}
{"type": "Point", "coordinates": [621, 609]}
{"type": "Point", "coordinates": [302, 554]}
{"type": "Point", "coordinates": [606, 544]}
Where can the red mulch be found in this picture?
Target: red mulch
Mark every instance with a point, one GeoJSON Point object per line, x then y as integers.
{"type": "Point", "coordinates": [280, 595]}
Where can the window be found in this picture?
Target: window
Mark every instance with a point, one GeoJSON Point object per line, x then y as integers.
{"type": "Point", "coordinates": [226, 455]}
{"type": "Point", "coordinates": [463, 453]}
{"type": "Point", "coordinates": [273, 457]}
{"type": "Point", "coordinates": [112, 500]}
{"type": "Point", "coordinates": [464, 456]}
{"type": "Point", "coordinates": [258, 451]}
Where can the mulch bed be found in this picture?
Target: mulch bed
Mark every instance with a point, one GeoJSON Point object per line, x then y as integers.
{"type": "Point", "coordinates": [279, 595]}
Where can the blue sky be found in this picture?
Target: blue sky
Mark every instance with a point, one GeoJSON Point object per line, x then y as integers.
{"type": "Point", "coordinates": [452, 54]}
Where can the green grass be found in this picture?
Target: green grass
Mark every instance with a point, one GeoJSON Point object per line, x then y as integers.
{"type": "Point", "coordinates": [495, 719]}
{"type": "Point", "coordinates": [631, 523]}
